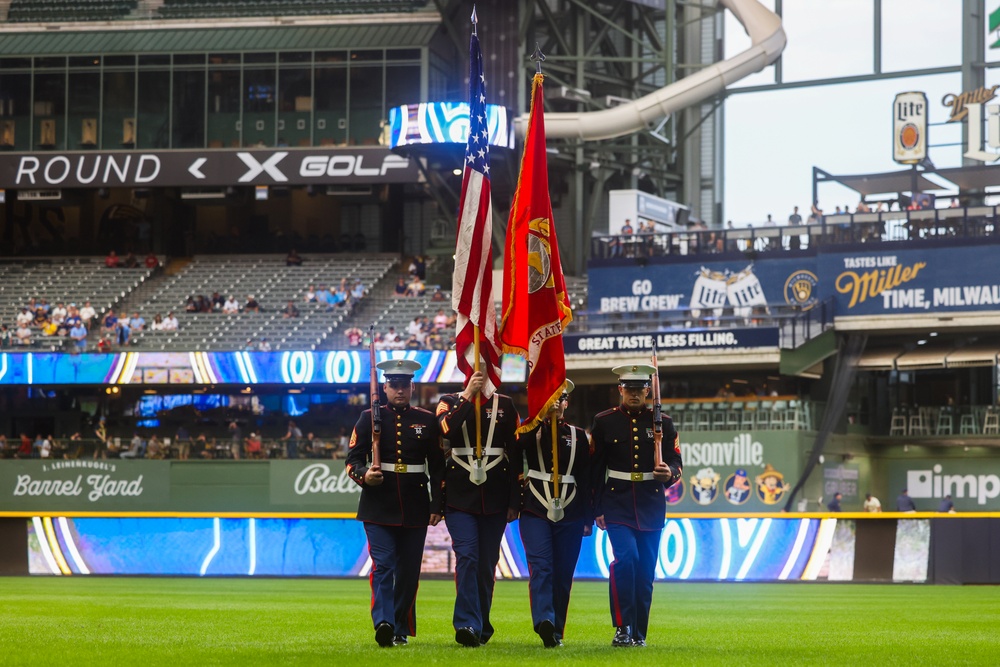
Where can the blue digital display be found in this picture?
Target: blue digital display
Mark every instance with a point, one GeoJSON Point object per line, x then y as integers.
{"type": "Point", "coordinates": [446, 123]}
{"type": "Point", "coordinates": [752, 549]}
{"type": "Point", "coordinates": [341, 367]}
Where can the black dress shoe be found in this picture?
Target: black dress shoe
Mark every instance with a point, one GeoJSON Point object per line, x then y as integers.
{"type": "Point", "coordinates": [399, 640]}
{"type": "Point", "coordinates": [467, 637]}
{"type": "Point", "coordinates": [383, 634]}
{"type": "Point", "coordinates": [623, 636]}
{"type": "Point", "coordinates": [547, 631]}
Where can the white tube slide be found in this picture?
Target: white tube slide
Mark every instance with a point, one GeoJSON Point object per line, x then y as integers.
{"type": "Point", "coordinates": [768, 37]}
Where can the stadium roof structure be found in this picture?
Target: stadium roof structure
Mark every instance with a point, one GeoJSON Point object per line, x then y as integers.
{"type": "Point", "coordinates": [404, 34]}
{"type": "Point", "coordinates": [890, 182]}
{"type": "Point", "coordinates": [972, 178]}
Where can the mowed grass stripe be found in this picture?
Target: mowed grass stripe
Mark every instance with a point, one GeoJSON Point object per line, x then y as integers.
{"type": "Point", "coordinates": [125, 621]}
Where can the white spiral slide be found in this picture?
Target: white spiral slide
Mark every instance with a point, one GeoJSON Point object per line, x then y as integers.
{"type": "Point", "coordinates": [768, 41]}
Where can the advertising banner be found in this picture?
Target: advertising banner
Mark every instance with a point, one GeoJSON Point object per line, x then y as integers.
{"type": "Point", "coordinates": [973, 484]}
{"type": "Point", "coordinates": [205, 168]}
{"type": "Point", "coordinates": [690, 549]}
{"type": "Point", "coordinates": [322, 485]}
{"type": "Point", "coordinates": [898, 281]}
{"type": "Point", "coordinates": [739, 285]}
{"type": "Point", "coordinates": [690, 339]}
{"type": "Point", "coordinates": [736, 471]}
{"type": "Point", "coordinates": [885, 281]}
{"type": "Point", "coordinates": [244, 368]}
{"type": "Point", "coordinates": [84, 484]}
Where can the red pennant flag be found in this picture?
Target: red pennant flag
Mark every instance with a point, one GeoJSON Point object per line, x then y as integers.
{"type": "Point", "coordinates": [535, 305]}
{"type": "Point", "coordinates": [472, 287]}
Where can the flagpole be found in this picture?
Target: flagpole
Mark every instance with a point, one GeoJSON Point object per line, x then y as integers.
{"type": "Point", "coordinates": [475, 399]}
{"type": "Point", "coordinates": [555, 454]}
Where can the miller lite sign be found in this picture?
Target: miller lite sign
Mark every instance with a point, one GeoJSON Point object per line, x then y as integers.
{"type": "Point", "coordinates": [909, 128]}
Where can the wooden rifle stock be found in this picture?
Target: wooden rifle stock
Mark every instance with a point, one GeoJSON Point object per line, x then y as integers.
{"type": "Point", "coordinates": [376, 411]}
{"type": "Point", "coordinates": [657, 413]}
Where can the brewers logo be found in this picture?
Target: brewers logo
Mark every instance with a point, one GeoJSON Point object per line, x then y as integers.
{"type": "Point", "coordinates": [800, 289]}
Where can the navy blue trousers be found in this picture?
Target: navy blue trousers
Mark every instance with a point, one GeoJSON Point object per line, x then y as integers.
{"type": "Point", "coordinates": [552, 550]}
{"type": "Point", "coordinates": [476, 540]}
{"type": "Point", "coordinates": [631, 576]}
{"type": "Point", "coordinates": [396, 552]}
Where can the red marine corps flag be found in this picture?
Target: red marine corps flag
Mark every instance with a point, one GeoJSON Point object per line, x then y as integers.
{"type": "Point", "coordinates": [535, 306]}
{"type": "Point", "coordinates": [472, 286]}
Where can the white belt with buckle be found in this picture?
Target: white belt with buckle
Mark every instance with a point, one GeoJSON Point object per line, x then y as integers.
{"type": "Point", "coordinates": [471, 451]}
{"type": "Point", "coordinates": [547, 476]}
{"type": "Point", "coordinates": [630, 476]}
{"type": "Point", "coordinates": [400, 468]}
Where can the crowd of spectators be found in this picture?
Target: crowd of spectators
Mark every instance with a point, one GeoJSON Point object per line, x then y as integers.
{"type": "Point", "coordinates": [182, 446]}
{"type": "Point", "coordinates": [68, 325]}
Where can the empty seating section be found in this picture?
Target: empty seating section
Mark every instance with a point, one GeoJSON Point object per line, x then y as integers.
{"type": "Point", "coordinates": [65, 280]}
{"type": "Point", "coordinates": [780, 414]}
{"type": "Point", "coordinates": [198, 8]}
{"type": "Point", "coordinates": [52, 11]}
{"type": "Point", "coordinates": [272, 284]}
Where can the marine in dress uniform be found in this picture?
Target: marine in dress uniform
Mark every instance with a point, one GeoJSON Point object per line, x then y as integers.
{"type": "Point", "coordinates": [477, 513]}
{"type": "Point", "coordinates": [629, 498]}
{"type": "Point", "coordinates": [395, 505]}
{"type": "Point", "coordinates": [553, 526]}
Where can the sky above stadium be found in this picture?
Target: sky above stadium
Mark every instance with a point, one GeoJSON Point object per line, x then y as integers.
{"type": "Point", "coordinates": [774, 139]}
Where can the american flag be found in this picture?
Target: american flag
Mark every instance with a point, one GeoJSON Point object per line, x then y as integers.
{"type": "Point", "coordinates": [472, 287]}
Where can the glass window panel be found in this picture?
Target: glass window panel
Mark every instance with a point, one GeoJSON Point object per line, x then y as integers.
{"type": "Point", "coordinates": [830, 39]}
{"type": "Point", "coordinates": [266, 57]}
{"type": "Point", "coordinates": [119, 61]}
{"type": "Point", "coordinates": [921, 33]}
{"type": "Point", "coordinates": [15, 63]}
{"type": "Point", "coordinates": [366, 105]}
{"type": "Point", "coordinates": [224, 108]}
{"type": "Point", "coordinates": [155, 59]}
{"type": "Point", "coordinates": [294, 106]}
{"type": "Point", "coordinates": [367, 55]}
{"type": "Point", "coordinates": [85, 61]}
{"type": "Point", "coordinates": [83, 109]}
{"type": "Point", "coordinates": [402, 86]}
{"type": "Point", "coordinates": [402, 54]}
{"type": "Point", "coordinates": [331, 56]}
{"type": "Point", "coordinates": [118, 121]}
{"type": "Point", "coordinates": [258, 107]}
{"type": "Point", "coordinates": [224, 59]}
{"type": "Point", "coordinates": [736, 41]}
{"type": "Point", "coordinates": [49, 109]}
{"type": "Point", "coordinates": [50, 63]}
{"type": "Point", "coordinates": [189, 59]}
{"type": "Point", "coordinates": [15, 112]}
{"type": "Point", "coordinates": [153, 123]}
{"type": "Point", "coordinates": [330, 119]}
{"type": "Point", "coordinates": [188, 122]}
{"type": "Point", "coordinates": [295, 57]}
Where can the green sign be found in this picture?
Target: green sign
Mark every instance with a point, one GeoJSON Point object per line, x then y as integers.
{"type": "Point", "coordinates": [843, 479]}
{"type": "Point", "coordinates": [972, 483]}
{"type": "Point", "coordinates": [80, 484]}
{"type": "Point", "coordinates": [322, 485]}
{"type": "Point", "coordinates": [733, 471]}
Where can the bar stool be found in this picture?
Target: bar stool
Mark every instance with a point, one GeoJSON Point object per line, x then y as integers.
{"type": "Point", "coordinates": [967, 424]}
{"type": "Point", "coordinates": [917, 424]}
{"type": "Point", "coordinates": [898, 425]}
{"type": "Point", "coordinates": [945, 423]}
{"type": "Point", "coordinates": [748, 416]}
{"type": "Point", "coordinates": [991, 423]}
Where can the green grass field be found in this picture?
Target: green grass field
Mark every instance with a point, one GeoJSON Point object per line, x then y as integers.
{"type": "Point", "coordinates": [120, 621]}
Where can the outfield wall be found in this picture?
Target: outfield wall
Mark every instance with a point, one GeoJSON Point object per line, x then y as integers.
{"type": "Point", "coordinates": [894, 548]}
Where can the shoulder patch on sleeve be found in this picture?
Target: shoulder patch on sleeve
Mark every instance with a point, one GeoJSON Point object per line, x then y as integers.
{"type": "Point", "coordinates": [354, 439]}
{"type": "Point", "coordinates": [442, 408]}
{"type": "Point", "coordinates": [677, 443]}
